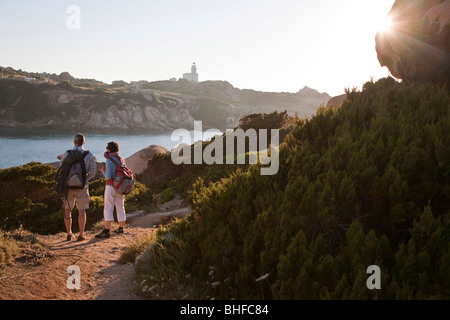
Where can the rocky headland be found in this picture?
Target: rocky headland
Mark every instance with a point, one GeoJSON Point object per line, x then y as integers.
{"type": "Point", "coordinates": [41, 100]}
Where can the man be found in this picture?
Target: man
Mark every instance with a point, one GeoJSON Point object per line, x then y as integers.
{"type": "Point", "coordinates": [80, 196]}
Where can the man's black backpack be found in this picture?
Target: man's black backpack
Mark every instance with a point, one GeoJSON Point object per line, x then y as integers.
{"type": "Point", "coordinates": [72, 173]}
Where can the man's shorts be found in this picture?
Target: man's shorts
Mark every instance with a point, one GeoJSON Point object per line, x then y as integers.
{"type": "Point", "coordinates": [78, 196]}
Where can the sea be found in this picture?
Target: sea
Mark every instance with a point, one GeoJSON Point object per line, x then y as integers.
{"type": "Point", "coordinates": [19, 146]}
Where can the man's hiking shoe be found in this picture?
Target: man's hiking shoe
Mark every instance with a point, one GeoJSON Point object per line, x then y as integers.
{"type": "Point", "coordinates": [81, 238]}
{"type": "Point", "coordinates": [103, 235]}
{"type": "Point", "coordinates": [119, 231]}
{"type": "Point", "coordinates": [70, 237]}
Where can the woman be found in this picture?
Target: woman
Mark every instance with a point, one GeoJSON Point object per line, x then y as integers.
{"type": "Point", "coordinates": [112, 198]}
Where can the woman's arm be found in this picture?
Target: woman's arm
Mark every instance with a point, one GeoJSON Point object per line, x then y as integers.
{"type": "Point", "coordinates": [110, 171]}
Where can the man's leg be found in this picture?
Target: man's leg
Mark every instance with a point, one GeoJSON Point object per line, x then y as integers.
{"type": "Point", "coordinates": [68, 221]}
{"type": "Point", "coordinates": [81, 221]}
{"type": "Point", "coordinates": [69, 203]}
{"type": "Point", "coordinates": [83, 205]}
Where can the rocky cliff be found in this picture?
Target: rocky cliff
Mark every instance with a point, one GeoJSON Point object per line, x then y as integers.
{"type": "Point", "coordinates": [218, 101]}
{"type": "Point", "coordinates": [418, 44]}
{"type": "Point", "coordinates": [33, 100]}
{"type": "Point", "coordinates": [24, 104]}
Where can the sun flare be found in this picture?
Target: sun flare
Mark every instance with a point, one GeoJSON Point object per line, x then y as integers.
{"type": "Point", "coordinates": [385, 24]}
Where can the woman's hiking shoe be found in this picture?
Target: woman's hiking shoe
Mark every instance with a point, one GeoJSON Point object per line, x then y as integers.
{"type": "Point", "coordinates": [119, 231]}
{"type": "Point", "coordinates": [81, 238]}
{"type": "Point", "coordinates": [70, 237]}
{"type": "Point", "coordinates": [104, 234]}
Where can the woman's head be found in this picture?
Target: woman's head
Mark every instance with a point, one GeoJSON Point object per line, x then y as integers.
{"type": "Point", "coordinates": [112, 146]}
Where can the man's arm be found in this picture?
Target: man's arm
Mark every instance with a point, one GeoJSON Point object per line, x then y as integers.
{"type": "Point", "coordinates": [61, 158]}
{"type": "Point", "coordinates": [91, 166]}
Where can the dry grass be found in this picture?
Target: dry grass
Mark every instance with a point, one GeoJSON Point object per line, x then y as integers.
{"type": "Point", "coordinates": [21, 246]}
{"type": "Point", "coordinates": [136, 248]}
{"type": "Point", "coordinates": [161, 276]}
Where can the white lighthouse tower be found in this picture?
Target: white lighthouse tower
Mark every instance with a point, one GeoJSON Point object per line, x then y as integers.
{"type": "Point", "coordinates": [193, 76]}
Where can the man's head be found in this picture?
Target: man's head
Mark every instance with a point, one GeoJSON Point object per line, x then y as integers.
{"type": "Point", "coordinates": [78, 140]}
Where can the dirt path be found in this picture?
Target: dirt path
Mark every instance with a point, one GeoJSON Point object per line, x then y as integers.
{"type": "Point", "coordinates": [102, 277]}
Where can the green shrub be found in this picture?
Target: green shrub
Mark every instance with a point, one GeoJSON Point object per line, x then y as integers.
{"type": "Point", "coordinates": [167, 195]}
{"type": "Point", "coordinates": [34, 204]}
{"type": "Point", "coordinates": [140, 199]}
{"type": "Point", "coordinates": [366, 184]}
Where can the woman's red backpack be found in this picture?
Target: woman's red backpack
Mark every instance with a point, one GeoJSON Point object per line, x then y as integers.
{"type": "Point", "coordinates": [124, 179]}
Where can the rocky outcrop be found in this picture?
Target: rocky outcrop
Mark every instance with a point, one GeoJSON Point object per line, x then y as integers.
{"type": "Point", "coordinates": [159, 106]}
{"type": "Point", "coordinates": [129, 112]}
{"type": "Point", "coordinates": [336, 101]}
{"type": "Point", "coordinates": [63, 106]}
{"type": "Point", "coordinates": [217, 102]}
{"type": "Point", "coordinates": [418, 44]}
{"type": "Point", "coordinates": [154, 118]}
{"type": "Point", "coordinates": [138, 161]}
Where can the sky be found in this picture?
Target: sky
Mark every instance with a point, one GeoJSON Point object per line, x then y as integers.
{"type": "Point", "coordinates": [264, 45]}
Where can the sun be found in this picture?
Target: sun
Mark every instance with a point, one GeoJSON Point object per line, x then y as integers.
{"type": "Point", "coordinates": [384, 24]}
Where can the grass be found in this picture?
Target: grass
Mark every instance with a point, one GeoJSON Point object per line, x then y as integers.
{"type": "Point", "coordinates": [167, 195]}
{"type": "Point", "coordinates": [21, 245]}
{"type": "Point", "coordinates": [158, 271]}
{"type": "Point", "coordinates": [130, 253]}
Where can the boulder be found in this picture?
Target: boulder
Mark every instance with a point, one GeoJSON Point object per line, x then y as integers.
{"type": "Point", "coordinates": [336, 101]}
{"type": "Point", "coordinates": [417, 47]}
{"type": "Point", "coordinates": [137, 162]}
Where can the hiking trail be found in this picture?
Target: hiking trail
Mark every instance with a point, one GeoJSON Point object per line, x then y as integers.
{"type": "Point", "coordinates": [102, 276]}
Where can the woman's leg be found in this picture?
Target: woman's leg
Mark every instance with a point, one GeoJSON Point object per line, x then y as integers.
{"type": "Point", "coordinates": [119, 202]}
{"type": "Point", "coordinates": [108, 209]}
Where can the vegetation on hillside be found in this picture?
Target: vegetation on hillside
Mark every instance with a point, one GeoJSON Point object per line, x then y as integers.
{"type": "Point", "coordinates": [161, 173]}
{"type": "Point", "coordinates": [34, 205]}
{"type": "Point", "coordinates": [365, 184]}
{"type": "Point", "coordinates": [55, 101]}
{"type": "Point", "coordinates": [23, 101]}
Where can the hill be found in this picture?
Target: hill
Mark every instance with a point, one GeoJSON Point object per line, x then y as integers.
{"type": "Point", "coordinates": [361, 185]}
{"type": "Point", "coordinates": [62, 101]}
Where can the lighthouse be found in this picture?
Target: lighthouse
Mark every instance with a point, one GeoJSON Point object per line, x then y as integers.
{"type": "Point", "coordinates": [193, 76]}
